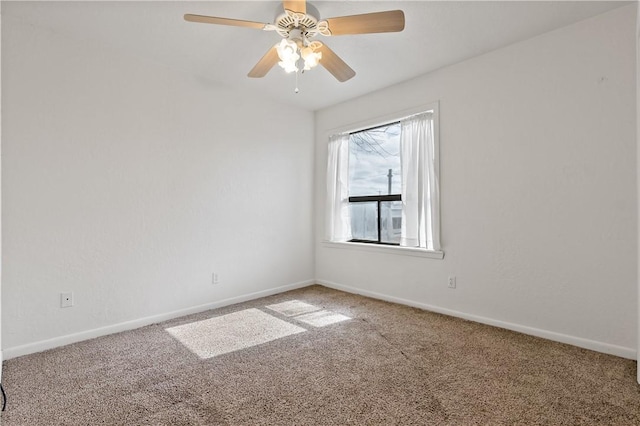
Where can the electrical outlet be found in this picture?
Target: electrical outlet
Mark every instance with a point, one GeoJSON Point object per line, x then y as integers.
{"type": "Point", "coordinates": [452, 282]}
{"type": "Point", "coordinates": [66, 300]}
{"type": "Point", "coordinates": [214, 278]}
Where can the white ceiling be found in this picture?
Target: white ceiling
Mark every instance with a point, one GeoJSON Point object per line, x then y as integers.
{"type": "Point", "coordinates": [436, 34]}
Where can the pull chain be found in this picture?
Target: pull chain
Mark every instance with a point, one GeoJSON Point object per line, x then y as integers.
{"type": "Point", "coordinates": [297, 90]}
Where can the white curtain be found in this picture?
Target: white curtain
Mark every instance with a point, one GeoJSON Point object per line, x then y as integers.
{"type": "Point", "coordinates": [338, 226]}
{"type": "Point", "coordinates": [420, 197]}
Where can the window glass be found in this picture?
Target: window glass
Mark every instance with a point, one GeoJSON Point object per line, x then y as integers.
{"type": "Point", "coordinates": [374, 161]}
{"type": "Point", "coordinates": [364, 221]}
{"type": "Point", "coordinates": [390, 221]}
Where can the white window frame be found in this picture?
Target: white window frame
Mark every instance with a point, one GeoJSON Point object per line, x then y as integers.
{"type": "Point", "coordinates": [432, 107]}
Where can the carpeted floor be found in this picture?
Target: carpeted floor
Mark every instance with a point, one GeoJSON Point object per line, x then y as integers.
{"type": "Point", "coordinates": [324, 358]}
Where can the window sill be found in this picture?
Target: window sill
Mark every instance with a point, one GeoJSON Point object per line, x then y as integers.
{"type": "Point", "coordinates": [378, 248]}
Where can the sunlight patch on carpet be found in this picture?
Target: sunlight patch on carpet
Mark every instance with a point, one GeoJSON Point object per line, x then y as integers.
{"type": "Point", "coordinates": [322, 318]}
{"type": "Point", "coordinates": [232, 332]}
{"type": "Point", "coordinates": [292, 308]}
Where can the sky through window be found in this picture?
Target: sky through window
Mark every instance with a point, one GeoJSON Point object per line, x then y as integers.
{"type": "Point", "coordinates": [372, 153]}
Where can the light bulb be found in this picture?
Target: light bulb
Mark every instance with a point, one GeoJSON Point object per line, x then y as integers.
{"type": "Point", "coordinates": [311, 58]}
{"type": "Point", "coordinates": [286, 49]}
{"type": "Point", "coordinates": [288, 67]}
{"type": "Point", "coordinates": [288, 54]}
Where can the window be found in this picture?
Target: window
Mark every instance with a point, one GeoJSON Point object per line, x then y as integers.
{"type": "Point", "coordinates": [375, 208]}
{"type": "Point", "coordinates": [382, 183]}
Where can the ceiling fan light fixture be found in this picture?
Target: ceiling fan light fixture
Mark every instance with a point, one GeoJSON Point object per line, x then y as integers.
{"type": "Point", "coordinates": [311, 58]}
{"type": "Point", "coordinates": [288, 54]}
{"type": "Point", "coordinates": [298, 25]}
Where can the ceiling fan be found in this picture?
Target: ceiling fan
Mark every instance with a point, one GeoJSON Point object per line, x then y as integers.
{"type": "Point", "coordinates": [298, 25]}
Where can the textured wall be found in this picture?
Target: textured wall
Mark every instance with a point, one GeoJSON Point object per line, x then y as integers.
{"type": "Point", "coordinates": [538, 184]}
{"type": "Point", "coordinates": [129, 184]}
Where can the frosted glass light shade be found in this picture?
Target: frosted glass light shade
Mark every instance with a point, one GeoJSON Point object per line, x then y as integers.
{"type": "Point", "coordinates": [311, 58]}
{"type": "Point", "coordinates": [288, 54]}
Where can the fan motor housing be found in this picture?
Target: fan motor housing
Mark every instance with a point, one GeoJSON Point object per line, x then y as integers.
{"type": "Point", "coordinates": [290, 20]}
{"type": "Point", "coordinates": [308, 23]}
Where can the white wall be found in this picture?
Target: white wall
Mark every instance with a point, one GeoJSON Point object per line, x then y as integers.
{"type": "Point", "coordinates": [638, 157]}
{"type": "Point", "coordinates": [1, 354]}
{"type": "Point", "coordinates": [538, 184]}
{"type": "Point", "coordinates": [128, 184]}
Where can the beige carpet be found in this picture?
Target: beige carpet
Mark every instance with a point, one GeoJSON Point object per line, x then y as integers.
{"type": "Point", "coordinates": [320, 357]}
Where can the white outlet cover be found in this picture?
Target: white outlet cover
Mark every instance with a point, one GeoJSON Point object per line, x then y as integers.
{"type": "Point", "coordinates": [452, 282]}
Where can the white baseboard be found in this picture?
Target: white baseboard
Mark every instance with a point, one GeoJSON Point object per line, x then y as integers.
{"type": "Point", "coordinates": [621, 351]}
{"type": "Point", "coordinates": [141, 322]}
{"type": "Point", "coordinates": [8, 353]}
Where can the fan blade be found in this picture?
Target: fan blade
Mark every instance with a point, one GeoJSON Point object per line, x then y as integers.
{"type": "Point", "coordinates": [265, 64]}
{"type": "Point", "coordinates": [336, 66]}
{"type": "Point", "coordinates": [223, 21]}
{"type": "Point", "coordinates": [298, 6]}
{"type": "Point", "coordinates": [377, 22]}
